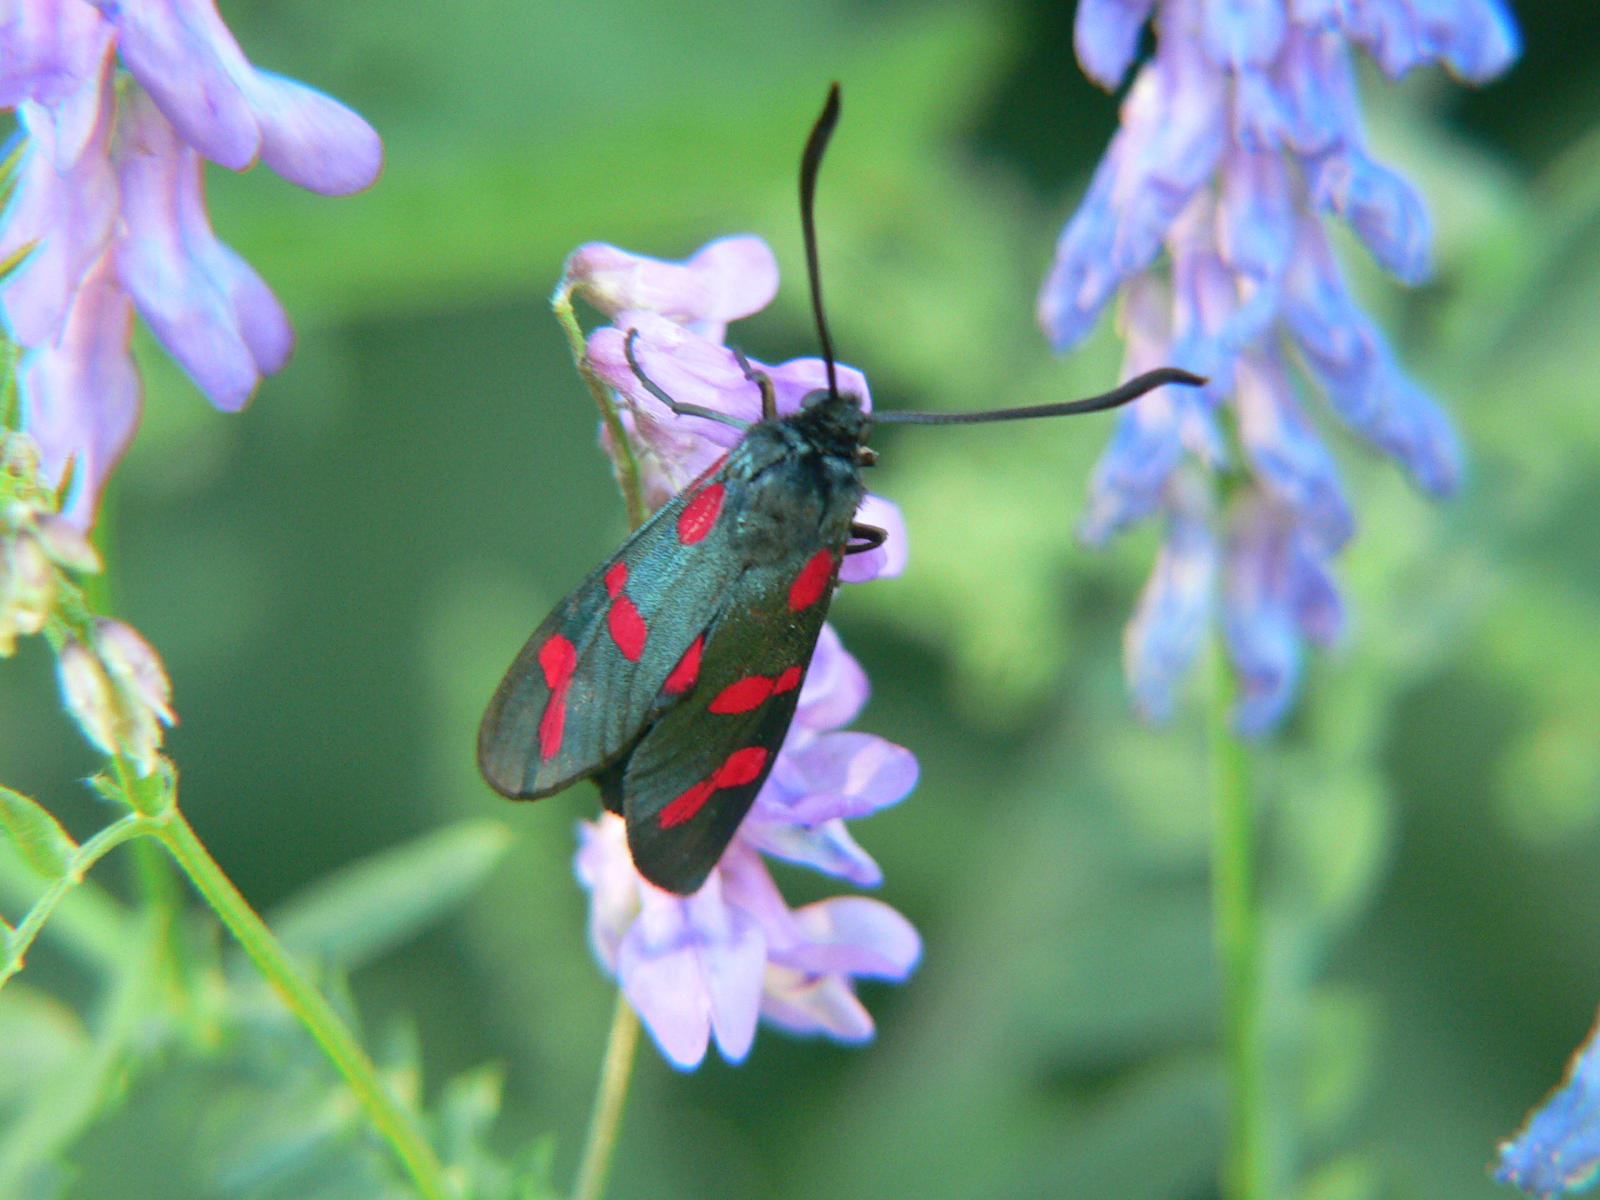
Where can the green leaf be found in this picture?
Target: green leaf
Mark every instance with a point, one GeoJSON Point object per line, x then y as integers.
{"type": "Point", "coordinates": [364, 910]}
{"type": "Point", "coordinates": [39, 1037]}
{"type": "Point", "coordinates": [44, 845]}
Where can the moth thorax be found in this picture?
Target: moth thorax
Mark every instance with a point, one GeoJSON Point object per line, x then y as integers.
{"type": "Point", "coordinates": [800, 496]}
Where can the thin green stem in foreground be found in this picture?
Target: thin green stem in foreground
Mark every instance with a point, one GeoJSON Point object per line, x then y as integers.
{"type": "Point", "coordinates": [615, 1071]}
{"type": "Point", "coordinates": [396, 1125]}
{"type": "Point", "coordinates": [1237, 934]}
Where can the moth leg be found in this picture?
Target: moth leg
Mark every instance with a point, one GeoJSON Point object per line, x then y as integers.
{"type": "Point", "coordinates": [769, 398]}
{"type": "Point", "coordinates": [864, 538]}
{"type": "Point", "coordinates": [677, 406]}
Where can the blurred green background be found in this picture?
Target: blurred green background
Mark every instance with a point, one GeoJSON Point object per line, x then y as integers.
{"type": "Point", "coordinates": [338, 576]}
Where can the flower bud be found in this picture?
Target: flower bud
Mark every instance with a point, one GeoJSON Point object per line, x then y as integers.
{"type": "Point", "coordinates": [90, 698]}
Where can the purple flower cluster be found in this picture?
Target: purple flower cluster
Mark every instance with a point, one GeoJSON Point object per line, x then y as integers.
{"type": "Point", "coordinates": [710, 965]}
{"type": "Point", "coordinates": [109, 209]}
{"type": "Point", "coordinates": [1237, 137]}
{"type": "Point", "coordinates": [1557, 1150]}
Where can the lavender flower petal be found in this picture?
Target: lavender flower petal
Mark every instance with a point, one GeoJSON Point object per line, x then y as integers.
{"type": "Point", "coordinates": [889, 559]}
{"type": "Point", "coordinates": [1277, 590]}
{"type": "Point", "coordinates": [826, 847]}
{"type": "Point", "coordinates": [1315, 91]}
{"type": "Point", "coordinates": [1382, 208]}
{"type": "Point", "coordinates": [184, 56]}
{"type": "Point", "coordinates": [81, 394]}
{"type": "Point", "coordinates": [804, 1003]}
{"type": "Point", "coordinates": [1557, 1150]}
{"type": "Point", "coordinates": [1105, 34]}
{"type": "Point", "coordinates": [729, 278]}
{"type": "Point", "coordinates": [207, 306]}
{"type": "Point", "coordinates": [1082, 277]}
{"type": "Point", "coordinates": [1255, 217]}
{"type": "Point", "coordinates": [852, 935]}
{"type": "Point", "coordinates": [840, 774]}
{"type": "Point", "coordinates": [311, 139]}
{"type": "Point", "coordinates": [1290, 461]}
{"type": "Point", "coordinates": [1349, 358]}
{"type": "Point", "coordinates": [1168, 627]}
{"type": "Point", "coordinates": [1242, 33]}
{"type": "Point", "coordinates": [67, 208]}
{"type": "Point", "coordinates": [48, 48]}
{"type": "Point", "coordinates": [604, 867]}
{"type": "Point", "coordinates": [1476, 39]}
{"type": "Point", "coordinates": [692, 968]}
{"type": "Point", "coordinates": [1128, 481]}
{"type": "Point", "coordinates": [835, 686]}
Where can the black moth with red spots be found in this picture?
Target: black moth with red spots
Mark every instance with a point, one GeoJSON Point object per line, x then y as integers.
{"type": "Point", "coordinates": [670, 675]}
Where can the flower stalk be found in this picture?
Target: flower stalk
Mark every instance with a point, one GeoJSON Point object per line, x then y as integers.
{"type": "Point", "coordinates": [1236, 933]}
{"type": "Point", "coordinates": [616, 1071]}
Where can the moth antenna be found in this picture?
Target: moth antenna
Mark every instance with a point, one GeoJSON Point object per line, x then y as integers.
{"type": "Point", "coordinates": [810, 163]}
{"type": "Point", "coordinates": [678, 407]}
{"type": "Point", "coordinates": [1115, 398]}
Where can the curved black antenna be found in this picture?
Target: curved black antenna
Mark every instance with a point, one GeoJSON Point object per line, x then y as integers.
{"type": "Point", "coordinates": [810, 162]}
{"type": "Point", "coordinates": [1132, 390]}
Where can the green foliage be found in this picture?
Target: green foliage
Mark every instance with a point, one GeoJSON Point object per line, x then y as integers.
{"type": "Point", "coordinates": [38, 836]}
{"type": "Point", "coordinates": [336, 576]}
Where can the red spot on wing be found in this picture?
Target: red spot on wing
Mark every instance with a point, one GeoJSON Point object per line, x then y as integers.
{"type": "Point", "coordinates": [686, 805]}
{"type": "Point", "coordinates": [687, 671]}
{"type": "Point", "coordinates": [744, 694]}
{"type": "Point", "coordinates": [616, 576]}
{"type": "Point", "coordinates": [628, 629]}
{"type": "Point", "coordinates": [809, 586]}
{"type": "Point", "coordinates": [740, 767]}
{"type": "Point", "coordinates": [741, 695]}
{"type": "Point", "coordinates": [700, 514]}
{"type": "Point", "coordinates": [557, 659]}
{"type": "Point", "coordinates": [552, 725]}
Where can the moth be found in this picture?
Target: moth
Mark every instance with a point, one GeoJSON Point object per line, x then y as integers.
{"type": "Point", "coordinates": [671, 674]}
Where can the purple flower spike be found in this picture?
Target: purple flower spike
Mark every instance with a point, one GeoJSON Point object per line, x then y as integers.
{"type": "Point", "coordinates": [110, 200]}
{"type": "Point", "coordinates": [1557, 1150]}
{"type": "Point", "coordinates": [706, 967]}
{"type": "Point", "coordinates": [1239, 137]}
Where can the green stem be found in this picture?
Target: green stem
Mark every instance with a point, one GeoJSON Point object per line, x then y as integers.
{"type": "Point", "coordinates": [1237, 934]}
{"type": "Point", "coordinates": [392, 1120]}
{"type": "Point", "coordinates": [83, 858]}
{"type": "Point", "coordinates": [615, 1070]}
{"type": "Point", "coordinates": [627, 466]}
